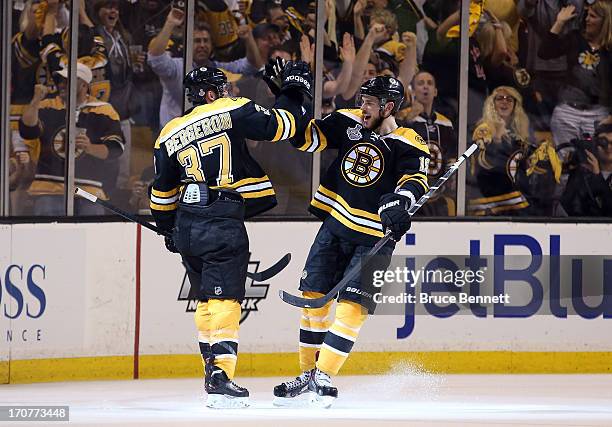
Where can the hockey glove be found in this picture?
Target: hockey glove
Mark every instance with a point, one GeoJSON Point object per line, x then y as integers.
{"type": "Point", "coordinates": [169, 241]}
{"type": "Point", "coordinates": [296, 76]}
{"type": "Point", "coordinates": [272, 74]}
{"type": "Point", "coordinates": [393, 211]}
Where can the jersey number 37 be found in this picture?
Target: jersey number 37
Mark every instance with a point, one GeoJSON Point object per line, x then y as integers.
{"type": "Point", "coordinates": [191, 158]}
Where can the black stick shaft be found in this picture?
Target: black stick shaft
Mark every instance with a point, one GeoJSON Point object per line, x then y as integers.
{"type": "Point", "coordinates": [120, 212]}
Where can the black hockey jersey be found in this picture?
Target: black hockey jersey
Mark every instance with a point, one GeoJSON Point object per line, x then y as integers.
{"type": "Point", "coordinates": [47, 145]}
{"type": "Point", "coordinates": [497, 165]}
{"type": "Point", "coordinates": [208, 145]}
{"type": "Point", "coordinates": [367, 166]}
{"type": "Point", "coordinates": [437, 131]}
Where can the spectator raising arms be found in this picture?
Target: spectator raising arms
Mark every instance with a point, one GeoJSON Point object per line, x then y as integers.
{"type": "Point", "coordinates": [98, 140]}
{"type": "Point", "coordinates": [170, 70]}
{"type": "Point", "coordinates": [585, 97]}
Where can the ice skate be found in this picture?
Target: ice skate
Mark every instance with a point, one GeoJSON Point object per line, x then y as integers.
{"type": "Point", "coordinates": [223, 392]}
{"type": "Point", "coordinates": [322, 393]}
{"type": "Point", "coordinates": [292, 393]}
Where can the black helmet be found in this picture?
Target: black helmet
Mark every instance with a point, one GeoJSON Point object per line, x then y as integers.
{"type": "Point", "coordinates": [202, 79]}
{"type": "Point", "coordinates": [386, 89]}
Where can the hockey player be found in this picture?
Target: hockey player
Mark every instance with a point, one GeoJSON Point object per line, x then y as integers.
{"type": "Point", "coordinates": [205, 184]}
{"type": "Point", "coordinates": [380, 171]}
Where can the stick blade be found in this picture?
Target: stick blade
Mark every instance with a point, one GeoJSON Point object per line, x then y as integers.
{"type": "Point", "coordinates": [302, 302]}
{"type": "Point", "coordinates": [267, 274]}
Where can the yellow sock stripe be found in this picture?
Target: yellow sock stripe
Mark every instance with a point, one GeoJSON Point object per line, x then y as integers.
{"type": "Point", "coordinates": [314, 326]}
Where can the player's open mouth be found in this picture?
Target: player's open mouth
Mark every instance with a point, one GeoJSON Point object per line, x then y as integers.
{"type": "Point", "coordinates": [366, 117]}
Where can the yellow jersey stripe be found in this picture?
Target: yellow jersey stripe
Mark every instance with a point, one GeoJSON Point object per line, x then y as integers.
{"type": "Point", "coordinates": [308, 137]}
{"type": "Point", "coordinates": [165, 193]}
{"type": "Point", "coordinates": [502, 197]}
{"type": "Point", "coordinates": [280, 127]}
{"type": "Point", "coordinates": [257, 194]}
{"type": "Point", "coordinates": [244, 182]}
{"type": "Point", "coordinates": [345, 221]}
{"type": "Point", "coordinates": [423, 184]}
{"type": "Point", "coordinates": [163, 207]}
{"type": "Point", "coordinates": [354, 211]}
{"type": "Point", "coordinates": [405, 178]}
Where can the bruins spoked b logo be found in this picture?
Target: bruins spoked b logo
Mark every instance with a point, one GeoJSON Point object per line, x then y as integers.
{"type": "Point", "coordinates": [363, 165]}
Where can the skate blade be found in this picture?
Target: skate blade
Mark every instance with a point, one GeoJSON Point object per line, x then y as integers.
{"type": "Point", "coordinates": [299, 401]}
{"type": "Point", "coordinates": [222, 401]}
{"type": "Point", "coordinates": [316, 401]}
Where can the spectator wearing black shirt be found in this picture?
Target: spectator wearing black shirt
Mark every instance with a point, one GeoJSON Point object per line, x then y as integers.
{"type": "Point", "coordinates": [437, 130]}
{"type": "Point", "coordinates": [119, 71]}
{"type": "Point", "coordinates": [585, 97]}
{"type": "Point", "coordinates": [547, 75]}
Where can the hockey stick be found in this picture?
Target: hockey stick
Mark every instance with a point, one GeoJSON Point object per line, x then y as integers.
{"type": "Point", "coordinates": [258, 276]}
{"type": "Point", "coordinates": [353, 272]}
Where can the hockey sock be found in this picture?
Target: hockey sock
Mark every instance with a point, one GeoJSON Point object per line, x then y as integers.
{"type": "Point", "coordinates": [224, 324]}
{"type": "Point", "coordinates": [341, 336]}
{"type": "Point", "coordinates": [202, 321]}
{"type": "Point", "coordinates": [313, 327]}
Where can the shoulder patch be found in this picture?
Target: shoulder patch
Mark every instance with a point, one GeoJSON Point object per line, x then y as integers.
{"type": "Point", "coordinates": [410, 137]}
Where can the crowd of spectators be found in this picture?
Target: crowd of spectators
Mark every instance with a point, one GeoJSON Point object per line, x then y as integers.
{"type": "Point", "coordinates": [539, 98]}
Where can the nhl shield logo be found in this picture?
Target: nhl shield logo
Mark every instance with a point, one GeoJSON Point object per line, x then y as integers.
{"type": "Point", "coordinates": [354, 133]}
{"type": "Point", "coordinates": [218, 290]}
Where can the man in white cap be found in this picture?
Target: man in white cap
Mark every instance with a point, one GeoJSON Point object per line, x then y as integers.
{"type": "Point", "coordinates": [99, 142]}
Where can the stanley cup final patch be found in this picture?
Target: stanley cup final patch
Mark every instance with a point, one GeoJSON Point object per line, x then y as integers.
{"type": "Point", "coordinates": [354, 133]}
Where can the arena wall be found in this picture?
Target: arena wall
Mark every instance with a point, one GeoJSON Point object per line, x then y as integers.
{"type": "Point", "coordinates": [106, 301]}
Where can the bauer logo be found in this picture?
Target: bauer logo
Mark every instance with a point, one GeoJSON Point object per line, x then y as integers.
{"type": "Point", "coordinates": [532, 283]}
{"type": "Point", "coordinates": [255, 292]}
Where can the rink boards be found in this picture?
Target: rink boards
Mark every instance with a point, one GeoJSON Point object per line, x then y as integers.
{"type": "Point", "coordinates": [86, 301]}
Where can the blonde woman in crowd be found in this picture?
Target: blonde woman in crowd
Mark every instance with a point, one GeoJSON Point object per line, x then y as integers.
{"type": "Point", "coordinates": [502, 136]}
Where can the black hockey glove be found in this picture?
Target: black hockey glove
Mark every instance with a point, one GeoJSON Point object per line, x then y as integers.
{"type": "Point", "coordinates": [169, 241]}
{"type": "Point", "coordinates": [272, 74]}
{"type": "Point", "coordinates": [296, 76]}
{"type": "Point", "coordinates": [393, 211]}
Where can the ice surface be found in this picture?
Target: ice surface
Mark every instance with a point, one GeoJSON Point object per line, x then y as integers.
{"type": "Point", "coordinates": [405, 396]}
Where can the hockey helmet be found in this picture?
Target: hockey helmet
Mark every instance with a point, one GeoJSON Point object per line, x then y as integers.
{"type": "Point", "coordinates": [200, 80]}
{"type": "Point", "coordinates": [386, 89]}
